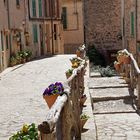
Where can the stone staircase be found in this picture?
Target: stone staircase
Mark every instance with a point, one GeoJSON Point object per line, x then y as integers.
{"type": "Point", "coordinates": [113, 105]}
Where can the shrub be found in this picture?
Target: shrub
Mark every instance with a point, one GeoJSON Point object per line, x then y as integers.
{"type": "Point", "coordinates": [95, 56]}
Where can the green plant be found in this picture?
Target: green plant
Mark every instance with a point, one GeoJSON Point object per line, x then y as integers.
{"type": "Point", "coordinates": [28, 132]}
{"type": "Point", "coordinates": [107, 72]}
{"type": "Point", "coordinates": [84, 116]}
{"type": "Point", "coordinates": [69, 71]}
{"type": "Point", "coordinates": [95, 56]}
{"type": "Point", "coordinates": [13, 61]}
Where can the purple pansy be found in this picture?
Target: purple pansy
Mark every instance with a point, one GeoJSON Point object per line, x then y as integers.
{"type": "Point", "coordinates": [56, 88]}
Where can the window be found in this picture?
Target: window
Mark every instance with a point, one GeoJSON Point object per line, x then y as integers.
{"type": "Point", "coordinates": [40, 7]}
{"type": "Point", "coordinates": [17, 3]}
{"type": "Point", "coordinates": [34, 8]}
{"type": "Point", "coordinates": [64, 17]}
{"type": "Point", "coordinates": [35, 33]}
{"type": "Point", "coordinates": [132, 24]}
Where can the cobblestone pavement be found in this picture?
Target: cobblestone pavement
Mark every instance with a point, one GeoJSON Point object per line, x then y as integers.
{"type": "Point", "coordinates": [21, 89]}
{"type": "Point", "coordinates": [114, 113]}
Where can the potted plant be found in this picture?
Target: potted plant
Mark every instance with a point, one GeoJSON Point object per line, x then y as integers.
{"type": "Point", "coordinates": [75, 62]}
{"type": "Point", "coordinates": [13, 61]}
{"type": "Point", "coordinates": [117, 65]}
{"type": "Point", "coordinates": [127, 59]}
{"type": "Point", "coordinates": [69, 73]}
{"type": "Point", "coordinates": [28, 132]}
{"type": "Point", "coordinates": [120, 57]}
{"type": "Point", "coordinates": [52, 92]}
{"type": "Point", "coordinates": [83, 120]}
{"type": "Point", "coordinates": [83, 98]}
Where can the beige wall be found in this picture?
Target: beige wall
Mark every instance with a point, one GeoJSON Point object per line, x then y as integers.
{"type": "Point", "coordinates": [4, 55]}
{"type": "Point", "coordinates": [74, 32]}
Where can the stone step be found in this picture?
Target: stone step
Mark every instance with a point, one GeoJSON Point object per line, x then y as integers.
{"type": "Point", "coordinates": [95, 74]}
{"type": "Point", "coordinates": [124, 126]}
{"type": "Point", "coordinates": [105, 94]}
{"type": "Point", "coordinates": [106, 82]}
{"type": "Point", "coordinates": [114, 106]}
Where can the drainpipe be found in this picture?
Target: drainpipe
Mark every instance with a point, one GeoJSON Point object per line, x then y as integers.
{"type": "Point", "coordinates": [123, 24]}
{"type": "Point", "coordinates": [9, 26]}
{"type": "Point", "coordinates": [84, 22]}
{"type": "Point", "coordinates": [51, 3]}
{"type": "Point", "coordinates": [136, 20]}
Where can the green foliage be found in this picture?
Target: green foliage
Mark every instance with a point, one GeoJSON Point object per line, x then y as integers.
{"type": "Point", "coordinates": [107, 72]}
{"type": "Point", "coordinates": [95, 56]}
{"type": "Point", "coordinates": [84, 116]}
{"type": "Point", "coordinates": [69, 71]}
{"type": "Point", "coordinates": [28, 132]}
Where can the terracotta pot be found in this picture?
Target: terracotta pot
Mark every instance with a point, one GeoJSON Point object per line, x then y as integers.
{"type": "Point", "coordinates": [127, 60]}
{"type": "Point", "coordinates": [78, 53]}
{"type": "Point", "coordinates": [82, 100]}
{"type": "Point", "coordinates": [117, 66]}
{"type": "Point", "coordinates": [120, 59]}
{"type": "Point", "coordinates": [82, 122]}
{"type": "Point", "coordinates": [50, 99]}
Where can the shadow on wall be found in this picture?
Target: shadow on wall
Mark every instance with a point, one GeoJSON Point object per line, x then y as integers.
{"type": "Point", "coordinates": [95, 56]}
{"type": "Point", "coordinates": [71, 48]}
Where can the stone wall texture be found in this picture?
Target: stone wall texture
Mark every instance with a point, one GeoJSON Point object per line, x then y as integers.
{"type": "Point", "coordinates": [103, 24]}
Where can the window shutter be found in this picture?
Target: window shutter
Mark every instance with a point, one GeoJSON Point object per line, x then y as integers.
{"type": "Point", "coordinates": [40, 7]}
{"type": "Point", "coordinates": [2, 45]}
{"type": "Point", "coordinates": [34, 8]}
{"type": "Point", "coordinates": [132, 24]}
{"type": "Point", "coordinates": [64, 17]}
{"type": "Point", "coordinates": [35, 33]}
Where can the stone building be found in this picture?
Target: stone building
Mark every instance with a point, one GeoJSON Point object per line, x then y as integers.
{"type": "Point", "coordinates": [102, 21]}
{"type": "Point", "coordinates": [72, 12]}
{"type": "Point", "coordinates": [30, 25]}
{"type": "Point", "coordinates": [45, 22]}
{"type": "Point", "coordinates": [4, 36]}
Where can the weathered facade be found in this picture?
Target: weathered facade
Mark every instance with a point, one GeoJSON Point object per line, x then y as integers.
{"type": "Point", "coordinates": [33, 25]}
{"type": "Point", "coordinates": [4, 36]}
{"type": "Point", "coordinates": [72, 11]}
{"type": "Point", "coordinates": [102, 21]}
{"type": "Point", "coordinates": [45, 27]}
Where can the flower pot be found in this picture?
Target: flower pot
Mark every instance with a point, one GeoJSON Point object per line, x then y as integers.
{"type": "Point", "coordinates": [82, 122]}
{"type": "Point", "coordinates": [127, 60]}
{"type": "Point", "coordinates": [82, 100]}
{"type": "Point", "coordinates": [50, 99]}
{"type": "Point", "coordinates": [78, 53]}
{"type": "Point", "coordinates": [120, 59]}
{"type": "Point", "coordinates": [117, 66]}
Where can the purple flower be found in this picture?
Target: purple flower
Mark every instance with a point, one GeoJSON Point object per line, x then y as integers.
{"type": "Point", "coordinates": [56, 88]}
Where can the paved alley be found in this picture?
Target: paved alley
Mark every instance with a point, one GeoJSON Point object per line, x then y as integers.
{"type": "Point", "coordinates": [21, 89]}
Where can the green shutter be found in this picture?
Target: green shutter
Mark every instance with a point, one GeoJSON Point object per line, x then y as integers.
{"type": "Point", "coordinates": [40, 7]}
{"type": "Point", "coordinates": [64, 17]}
{"type": "Point", "coordinates": [35, 33]}
{"type": "Point", "coordinates": [34, 8]}
{"type": "Point", "coordinates": [7, 42]}
{"type": "Point", "coordinates": [132, 24]}
{"type": "Point", "coordinates": [2, 41]}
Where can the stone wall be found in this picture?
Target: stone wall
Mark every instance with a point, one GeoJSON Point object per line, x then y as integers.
{"type": "Point", "coordinates": [103, 24]}
{"type": "Point", "coordinates": [130, 41]}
